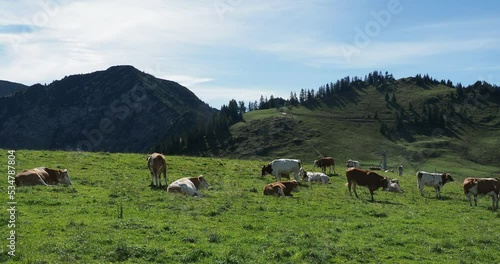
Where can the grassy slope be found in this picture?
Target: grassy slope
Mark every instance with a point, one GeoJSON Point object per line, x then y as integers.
{"type": "Point", "coordinates": [349, 131]}
{"type": "Point", "coordinates": [234, 222]}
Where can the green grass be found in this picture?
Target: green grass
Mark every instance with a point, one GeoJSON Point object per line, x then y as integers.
{"type": "Point", "coordinates": [234, 222]}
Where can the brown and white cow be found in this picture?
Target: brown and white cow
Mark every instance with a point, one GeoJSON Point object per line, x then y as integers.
{"type": "Point", "coordinates": [282, 188]}
{"type": "Point", "coordinates": [42, 176]}
{"type": "Point", "coordinates": [157, 165]}
{"type": "Point", "coordinates": [275, 189]}
{"type": "Point", "coordinates": [325, 162]}
{"type": "Point", "coordinates": [483, 186]}
{"type": "Point", "coordinates": [189, 186]}
{"type": "Point", "coordinates": [279, 167]}
{"type": "Point", "coordinates": [371, 180]}
{"type": "Point", "coordinates": [436, 180]}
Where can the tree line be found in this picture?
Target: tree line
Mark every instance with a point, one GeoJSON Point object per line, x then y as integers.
{"type": "Point", "coordinates": [212, 135]}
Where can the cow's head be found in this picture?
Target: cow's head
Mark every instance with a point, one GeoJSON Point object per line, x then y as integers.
{"type": "Point", "coordinates": [203, 182]}
{"type": "Point", "coordinates": [394, 186]}
{"type": "Point", "coordinates": [294, 185]}
{"type": "Point", "coordinates": [446, 177]}
{"type": "Point", "coordinates": [63, 177]}
{"type": "Point", "coordinates": [304, 175]}
{"type": "Point", "coordinates": [267, 169]}
{"type": "Point", "coordinates": [315, 163]}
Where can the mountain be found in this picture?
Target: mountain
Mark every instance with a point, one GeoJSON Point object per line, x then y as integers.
{"type": "Point", "coordinates": [9, 88]}
{"type": "Point", "coordinates": [120, 109]}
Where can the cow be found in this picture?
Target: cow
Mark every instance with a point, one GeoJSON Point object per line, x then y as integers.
{"type": "Point", "coordinates": [279, 167]}
{"type": "Point", "coordinates": [281, 188]}
{"type": "Point", "coordinates": [275, 188]}
{"type": "Point", "coordinates": [483, 186]}
{"type": "Point", "coordinates": [316, 177]}
{"type": "Point", "coordinates": [400, 170]}
{"type": "Point", "coordinates": [436, 180]}
{"type": "Point", "coordinates": [353, 164]}
{"type": "Point", "coordinates": [42, 176]}
{"type": "Point", "coordinates": [371, 180]}
{"type": "Point", "coordinates": [157, 166]}
{"type": "Point", "coordinates": [188, 186]}
{"type": "Point", "coordinates": [325, 162]}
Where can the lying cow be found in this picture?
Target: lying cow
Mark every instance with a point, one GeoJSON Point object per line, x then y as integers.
{"type": "Point", "coordinates": [157, 165]}
{"type": "Point", "coordinates": [371, 180]}
{"type": "Point", "coordinates": [275, 188]}
{"type": "Point", "coordinates": [280, 167]}
{"type": "Point", "coordinates": [325, 162]}
{"type": "Point", "coordinates": [316, 177]}
{"type": "Point", "coordinates": [483, 186]}
{"type": "Point", "coordinates": [42, 176]}
{"type": "Point", "coordinates": [353, 164]}
{"type": "Point", "coordinates": [436, 180]}
{"type": "Point", "coordinates": [189, 186]}
{"type": "Point", "coordinates": [282, 188]}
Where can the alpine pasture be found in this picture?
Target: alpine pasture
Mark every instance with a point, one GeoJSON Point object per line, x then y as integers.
{"type": "Point", "coordinates": [110, 214]}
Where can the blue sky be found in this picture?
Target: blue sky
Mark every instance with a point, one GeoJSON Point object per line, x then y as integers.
{"type": "Point", "coordinates": [241, 49]}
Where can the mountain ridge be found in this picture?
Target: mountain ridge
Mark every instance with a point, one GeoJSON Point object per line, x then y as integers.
{"type": "Point", "coordinates": [120, 109]}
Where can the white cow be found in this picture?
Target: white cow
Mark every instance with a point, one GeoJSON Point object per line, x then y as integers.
{"type": "Point", "coordinates": [353, 164]}
{"type": "Point", "coordinates": [316, 177]}
{"type": "Point", "coordinates": [280, 167]}
{"type": "Point", "coordinates": [436, 180]}
{"type": "Point", "coordinates": [188, 186]}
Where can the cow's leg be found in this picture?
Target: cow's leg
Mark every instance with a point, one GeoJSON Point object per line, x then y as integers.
{"type": "Point", "coordinates": [421, 188]}
{"type": "Point", "coordinates": [475, 199]}
{"type": "Point", "coordinates": [438, 192]}
{"type": "Point", "coordinates": [469, 197]}
{"type": "Point", "coordinates": [495, 203]}
{"type": "Point", "coordinates": [354, 189]}
{"type": "Point", "coordinates": [349, 184]}
{"type": "Point", "coordinates": [152, 178]}
{"type": "Point", "coordinates": [371, 193]}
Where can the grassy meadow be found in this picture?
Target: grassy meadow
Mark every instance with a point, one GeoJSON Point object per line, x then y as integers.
{"type": "Point", "coordinates": [111, 215]}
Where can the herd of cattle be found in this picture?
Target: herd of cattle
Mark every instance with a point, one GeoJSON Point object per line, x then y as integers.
{"type": "Point", "coordinates": [283, 168]}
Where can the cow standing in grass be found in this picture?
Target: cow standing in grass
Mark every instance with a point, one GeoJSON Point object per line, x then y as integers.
{"type": "Point", "coordinates": [484, 186]}
{"type": "Point", "coordinates": [279, 167]}
{"type": "Point", "coordinates": [436, 180]}
{"type": "Point", "coordinates": [325, 162]}
{"type": "Point", "coordinates": [157, 165]}
{"type": "Point", "coordinates": [371, 180]}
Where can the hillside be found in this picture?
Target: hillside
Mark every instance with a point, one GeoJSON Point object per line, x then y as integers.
{"type": "Point", "coordinates": [120, 109]}
{"type": "Point", "coordinates": [419, 126]}
{"type": "Point", "coordinates": [110, 215]}
{"type": "Point", "coordinates": [10, 88]}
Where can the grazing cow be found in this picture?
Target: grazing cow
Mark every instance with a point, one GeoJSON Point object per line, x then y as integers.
{"type": "Point", "coordinates": [188, 186]}
{"type": "Point", "coordinates": [42, 176]}
{"type": "Point", "coordinates": [279, 167]}
{"type": "Point", "coordinates": [275, 188]}
{"type": "Point", "coordinates": [436, 180]}
{"type": "Point", "coordinates": [484, 186]}
{"type": "Point", "coordinates": [353, 164]}
{"type": "Point", "coordinates": [316, 177]}
{"type": "Point", "coordinates": [371, 180]}
{"type": "Point", "coordinates": [400, 170]}
{"type": "Point", "coordinates": [157, 165]}
{"type": "Point", "coordinates": [325, 162]}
